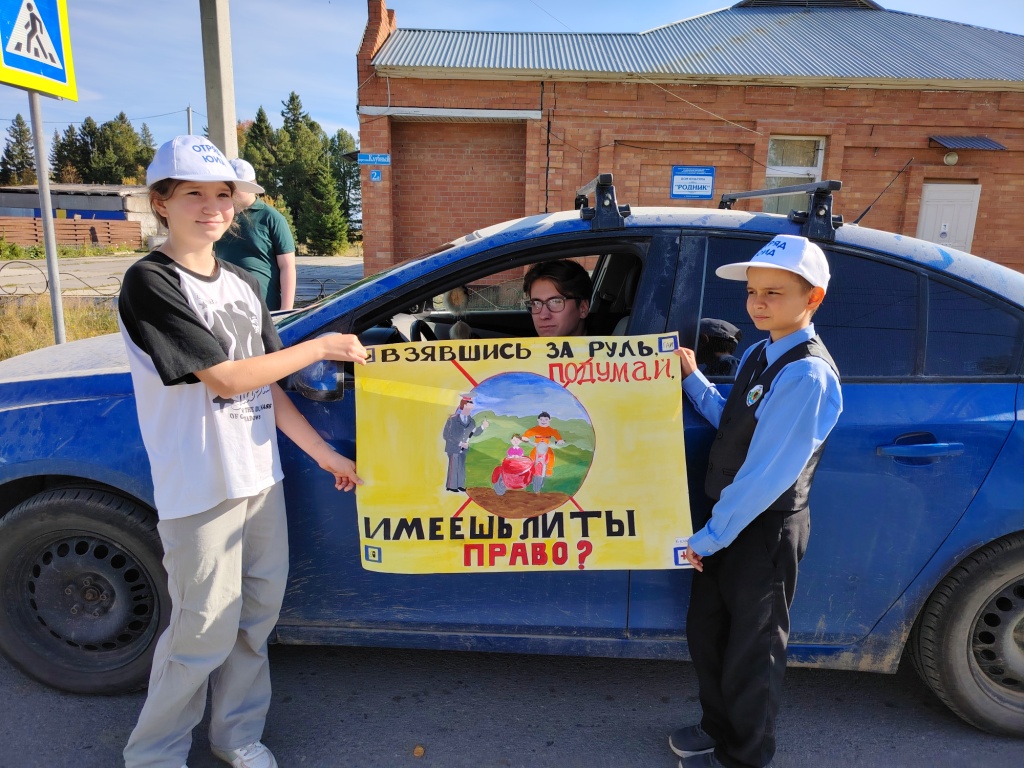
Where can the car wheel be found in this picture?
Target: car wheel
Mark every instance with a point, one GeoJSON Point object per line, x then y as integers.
{"type": "Point", "coordinates": [84, 595]}
{"type": "Point", "coordinates": [968, 643]}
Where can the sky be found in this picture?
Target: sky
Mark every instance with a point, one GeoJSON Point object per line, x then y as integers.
{"type": "Point", "coordinates": [144, 57]}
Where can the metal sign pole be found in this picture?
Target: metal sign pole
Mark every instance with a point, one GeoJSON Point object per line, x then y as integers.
{"type": "Point", "coordinates": [46, 209]}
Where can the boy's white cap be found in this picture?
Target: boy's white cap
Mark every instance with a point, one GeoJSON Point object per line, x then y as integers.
{"type": "Point", "coordinates": [243, 169]}
{"type": "Point", "coordinates": [194, 158]}
{"type": "Point", "coordinates": [789, 252]}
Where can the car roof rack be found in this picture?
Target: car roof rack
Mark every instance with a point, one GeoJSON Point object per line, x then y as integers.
{"type": "Point", "coordinates": [606, 213]}
{"type": "Point", "coordinates": [817, 221]}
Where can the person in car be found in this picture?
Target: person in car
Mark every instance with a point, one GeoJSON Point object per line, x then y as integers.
{"type": "Point", "coordinates": [558, 297]}
{"type": "Point", "coordinates": [771, 432]}
{"type": "Point", "coordinates": [205, 360]}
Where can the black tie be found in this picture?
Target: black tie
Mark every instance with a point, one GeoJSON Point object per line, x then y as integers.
{"type": "Point", "coordinates": [759, 365]}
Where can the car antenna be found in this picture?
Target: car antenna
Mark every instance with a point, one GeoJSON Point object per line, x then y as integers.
{"type": "Point", "coordinates": [857, 220]}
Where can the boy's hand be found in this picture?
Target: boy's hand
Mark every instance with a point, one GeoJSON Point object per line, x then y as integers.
{"type": "Point", "coordinates": [692, 557]}
{"type": "Point", "coordinates": [343, 346]}
{"type": "Point", "coordinates": [688, 359]}
{"type": "Point", "coordinates": [343, 469]}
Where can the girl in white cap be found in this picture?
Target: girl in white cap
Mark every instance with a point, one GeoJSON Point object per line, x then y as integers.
{"type": "Point", "coordinates": [771, 433]}
{"type": "Point", "coordinates": [205, 358]}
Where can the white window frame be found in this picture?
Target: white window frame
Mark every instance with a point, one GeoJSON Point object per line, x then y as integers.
{"type": "Point", "coordinates": [811, 173]}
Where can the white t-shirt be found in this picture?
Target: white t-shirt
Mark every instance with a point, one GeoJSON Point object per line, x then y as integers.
{"type": "Point", "coordinates": [202, 448]}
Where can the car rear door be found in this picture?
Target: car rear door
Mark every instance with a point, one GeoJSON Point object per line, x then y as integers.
{"type": "Point", "coordinates": [928, 402]}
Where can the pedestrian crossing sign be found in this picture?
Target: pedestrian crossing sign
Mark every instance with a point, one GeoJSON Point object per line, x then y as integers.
{"type": "Point", "coordinates": [35, 47]}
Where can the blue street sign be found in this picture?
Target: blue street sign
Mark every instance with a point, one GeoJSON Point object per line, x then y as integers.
{"type": "Point", "coordinates": [367, 158]}
{"type": "Point", "coordinates": [375, 175]}
{"type": "Point", "coordinates": [35, 47]}
{"type": "Point", "coordinates": [692, 182]}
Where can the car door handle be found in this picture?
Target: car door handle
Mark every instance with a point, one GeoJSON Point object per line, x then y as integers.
{"type": "Point", "coordinates": [921, 450]}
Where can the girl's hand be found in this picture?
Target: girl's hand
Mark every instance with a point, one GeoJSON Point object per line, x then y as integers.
{"type": "Point", "coordinates": [342, 346]}
{"type": "Point", "coordinates": [343, 469]}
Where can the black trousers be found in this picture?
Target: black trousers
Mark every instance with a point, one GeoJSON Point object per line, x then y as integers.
{"type": "Point", "coordinates": [737, 628]}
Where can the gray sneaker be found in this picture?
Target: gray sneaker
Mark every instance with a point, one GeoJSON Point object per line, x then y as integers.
{"type": "Point", "coordinates": [255, 755]}
{"type": "Point", "coordinates": [690, 741]}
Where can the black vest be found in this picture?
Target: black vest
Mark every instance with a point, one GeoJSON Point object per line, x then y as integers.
{"type": "Point", "coordinates": [737, 424]}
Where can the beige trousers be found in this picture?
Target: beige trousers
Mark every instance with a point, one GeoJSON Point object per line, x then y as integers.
{"type": "Point", "coordinates": [226, 573]}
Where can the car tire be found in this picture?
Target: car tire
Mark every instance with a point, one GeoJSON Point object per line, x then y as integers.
{"type": "Point", "coordinates": [83, 594]}
{"type": "Point", "coordinates": [967, 642]}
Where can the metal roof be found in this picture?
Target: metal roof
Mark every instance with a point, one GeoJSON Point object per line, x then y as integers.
{"type": "Point", "coordinates": [775, 41]}
{"type": "Point", "coordinates": [967, 142]}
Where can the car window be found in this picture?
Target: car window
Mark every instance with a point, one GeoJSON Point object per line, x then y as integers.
{"type": "Point", "coordinates": [868, 319]}
{"type": "Point", "coordinates": [968, 335]}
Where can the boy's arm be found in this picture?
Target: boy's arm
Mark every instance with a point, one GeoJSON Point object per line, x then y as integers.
{"type": "Point", "coordinates": [805, 404]}
{"type": "Point", "coordinates": [233, 377]}
{"type": "Point", "coordinates": [702, 393]}
{"type": "Point", "coordinates": [294, 425]}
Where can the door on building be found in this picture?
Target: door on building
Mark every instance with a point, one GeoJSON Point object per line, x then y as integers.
{"type": "Point", "coordinates": [948, 213]}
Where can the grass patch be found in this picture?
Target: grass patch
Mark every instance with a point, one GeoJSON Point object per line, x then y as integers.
{"type": "Point", "coordinates": [15, 252]}
{"type": "Point", "coordinates": [27, 323]}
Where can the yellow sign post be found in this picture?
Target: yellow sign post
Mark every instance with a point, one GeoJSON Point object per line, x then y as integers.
{"type": "Point", "coordinates": [522, 455]}
{"type": "Point", "coordinates": [35, 54]}
{"type": "Point", "coordinates": [35, 47]}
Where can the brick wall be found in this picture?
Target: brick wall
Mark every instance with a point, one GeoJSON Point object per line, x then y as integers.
{"type": "Point", "coordinates": [452, 178]}
{"type": "Point", "coordinates": [639, 130]}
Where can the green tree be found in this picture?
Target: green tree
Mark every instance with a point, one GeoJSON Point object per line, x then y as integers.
{"type": "Point", "coordinates": [116, 155]}
{"type": "Point", "coordinates": [88, 135]}
{"type": "Point", "coordinates": [147, 147]}
{"type": "Point", "coordinates": [346, 176]}
{"type": "Point", "coordinates": [301, 147]}
{"type": "Point", "coordinates": [260, 150]}
{"type": "Point", "coordinates": [320, 216]}
{"type": "Point", "coordinates": [17, 165]}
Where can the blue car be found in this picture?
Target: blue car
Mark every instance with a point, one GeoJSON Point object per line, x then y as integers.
{"type": "Point", "coordinates": [917, 507]}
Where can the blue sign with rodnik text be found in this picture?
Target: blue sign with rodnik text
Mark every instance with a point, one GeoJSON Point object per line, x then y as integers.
{"type": "Point", "coordinates": [693, 182]}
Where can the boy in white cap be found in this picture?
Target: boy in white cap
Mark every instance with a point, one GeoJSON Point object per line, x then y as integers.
{"type": "Point", "coordinates": [205, 358]}
{"type": "Point", "coordinates": [771, 432]}
{"type": "Point", "coordinates": [263, 245]}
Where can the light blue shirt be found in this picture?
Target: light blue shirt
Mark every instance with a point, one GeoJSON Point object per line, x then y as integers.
{"type": "Point", "coordinates": [793, 419]}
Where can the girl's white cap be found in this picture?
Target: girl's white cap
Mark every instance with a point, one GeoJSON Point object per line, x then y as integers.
{"type": "Point", "coordinates": [194, 158]}
{"type": "Point", "coordinates": [789, 252]}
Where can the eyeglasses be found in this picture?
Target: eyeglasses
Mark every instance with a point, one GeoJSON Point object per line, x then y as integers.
{"type": "Point", "coordinates": [554, 304]}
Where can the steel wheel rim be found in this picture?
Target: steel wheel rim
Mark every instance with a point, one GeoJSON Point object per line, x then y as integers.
{"type": "Point", "coordinates": [997, 642]}
{"type": "Point", "coordinates": [88, 601]}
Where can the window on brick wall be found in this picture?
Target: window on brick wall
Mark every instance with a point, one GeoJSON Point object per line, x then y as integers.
{"type": "Point", "coordinates": [792, 160]}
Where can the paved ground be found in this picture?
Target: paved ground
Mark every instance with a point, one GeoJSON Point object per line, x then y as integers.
{"type": "Point", "coordinates": [101, 275]}
{"type": "Point", "coordinates": [371, 708]}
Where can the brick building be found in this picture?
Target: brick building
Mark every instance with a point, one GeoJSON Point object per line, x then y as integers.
{"type": "Point", "coordinates": [487, 126]}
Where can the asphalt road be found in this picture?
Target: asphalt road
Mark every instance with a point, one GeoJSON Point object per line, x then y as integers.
{"type": "Point", "coordinates": [371, 708]}
{"type": "Point", "coordinates": [101, 275]}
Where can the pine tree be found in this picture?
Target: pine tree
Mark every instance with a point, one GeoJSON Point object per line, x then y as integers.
{"type": "Point", "coordinates": [65, 155]}
{"type": "Point", "coordinates": [320, 218]}
{"type": "Point", "coordinates": [88, 136]}
{"type": "Point", "coordinates": [302, 146]}
{"type": "Point", "coordinates": [147, 147]}
{"type": "Point", "coordinates": [115, 156]}
{"type": "Point", "coordinates": [17, 165]}
{"type": "Point", "coordinates": [346, 177]}
{"type": "Point", "coordinates": [259, 150]}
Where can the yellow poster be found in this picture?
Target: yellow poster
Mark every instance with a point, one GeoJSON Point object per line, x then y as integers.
{"type": "Point", "coordinates": [496, 455]}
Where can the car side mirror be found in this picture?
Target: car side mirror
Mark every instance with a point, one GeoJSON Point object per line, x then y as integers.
{"type": "Point", "coordinates": [323, 381]}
